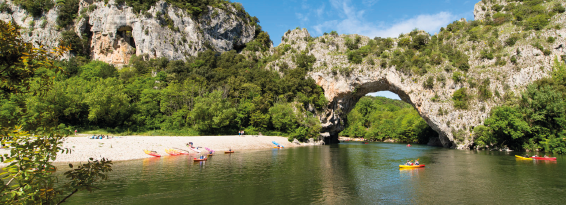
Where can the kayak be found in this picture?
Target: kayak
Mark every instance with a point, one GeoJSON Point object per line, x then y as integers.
{"type": "Point", "coordinates": [198, 160]}
{"type": "Point", "coordinates": [544, 158]}
{"type": "Point", "coordinates": [174, 152]}
{"type": "Point", "coordinates": [411, 166]}
{"type": "Point", "coordinates": [196, 150]}
{"type": "Point", "coordinates": [277, 147]}
{"type": "Point", "coordinates": [228, 152]}
{"type": "Point", "coordinates": [151, 153]}
{"type": "Point", "coordinates": [523, 158]}
{"type": "Point", "coordinates": [277, 144]}
{"type": "Point", "coordinates": [209, 154]}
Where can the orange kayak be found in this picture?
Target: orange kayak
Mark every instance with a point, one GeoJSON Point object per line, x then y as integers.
{"type": "Point", "coordinates": [198, 160]}
{"type": "Point", "coordinates": [411, 166]}
{"type": "Point", "coordinates": [228, 152]}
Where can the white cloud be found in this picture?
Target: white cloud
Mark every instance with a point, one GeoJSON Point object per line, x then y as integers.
{"type": "Point", "coordinates": [302, 17]}
{"type": "Point", "coordinates": [369, 3]}
{"type": "Point", "coordinates": [352, 21]}
{"type": "Point", "coordinates": [320, 11]}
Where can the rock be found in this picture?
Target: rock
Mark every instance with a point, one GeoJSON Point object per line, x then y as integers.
{"type": "Point", "coordinates": [117, 32]}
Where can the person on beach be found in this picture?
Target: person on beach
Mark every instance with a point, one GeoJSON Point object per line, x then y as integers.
{"type": "Point", "coordinates": [75, 132]}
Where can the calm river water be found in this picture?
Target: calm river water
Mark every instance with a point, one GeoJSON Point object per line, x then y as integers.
{"type": "Point", "coordinates": [346, 173]}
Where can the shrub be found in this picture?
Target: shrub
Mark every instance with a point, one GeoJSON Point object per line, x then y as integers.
{"type": "Point", "coordinates": [550, 39]}
{"type": "Point", "coordinates": [460, 98]}
{"type": "Point", "coordinates": [511, 40]}
{"type": "Point", "coordinates": [429, 83]}
{"type": "Point", "coordinates": [484, 92]}
{"type": "Point", "coordinates": [354, 57]}
{"type": "Point", "coordinates": [558, 8]}
{"type": "Point", "coordinates": [457, 77]}
{"type": "Point", "coordinates": [67, 13]}
{"type": "Point", "coordinates": [514, 59]}
{"type": "Point", "coordinates": [486, 54]}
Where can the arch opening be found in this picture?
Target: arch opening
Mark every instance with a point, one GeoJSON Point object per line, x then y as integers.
{"type": "Point", "coordinates": [383, 116]}
{"type": "Point", "coordinates": [343, 103]}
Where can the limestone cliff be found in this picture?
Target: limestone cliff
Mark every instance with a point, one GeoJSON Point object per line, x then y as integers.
{"type": "Point", "coordinates": [345, 83]}
{"type": "Point", "coordinates": [116, 32]}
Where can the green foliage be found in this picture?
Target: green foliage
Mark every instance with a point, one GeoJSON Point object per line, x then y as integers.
{"type": "Point", "coordinates": [512, 40]}
{"type": "Point", "coordinates": [30, 129]}
{"type": "Point", "coordinates": [535, 122]}
{"type": "Point", "coordinates": [458, 77]}
{"type": "Point", "coordinates": [79, 46]}
{"type": "Point", "coordinates": [460, 98]}
{"type": "Point", "coordinates": [211, 94]}
{"type": "Point", "coordinates": [558, 8]}
{"type": "Point", "coordinates": [261, 43]}
{"type": "Point", "coordinates": [379, 118]}
{"type": "Point", "coordinates": [484, 93]}
{"type": "Point", "coordinates": [429, 83]}
{"type": "Point", "coordinates": [67, 12]}
{"type": "Point", "coordinates": [35, 7]}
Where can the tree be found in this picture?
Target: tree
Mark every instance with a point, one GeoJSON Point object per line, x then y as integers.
{"type": "Point", "coordinates": [28, 178]}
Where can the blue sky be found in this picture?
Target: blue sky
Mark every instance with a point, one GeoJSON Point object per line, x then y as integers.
{"type": "Point", "coordinates": [365, 17]}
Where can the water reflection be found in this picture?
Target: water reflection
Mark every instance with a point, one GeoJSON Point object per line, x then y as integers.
{"type": "Point", "coordinates": [348, 173]}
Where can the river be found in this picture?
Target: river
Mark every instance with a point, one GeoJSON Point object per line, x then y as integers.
{"type": "Point", "coordinates": [346, 173]}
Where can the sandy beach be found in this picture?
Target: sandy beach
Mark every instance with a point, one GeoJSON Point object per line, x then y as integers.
{"type": "Point", "coordinates": [131, 147]}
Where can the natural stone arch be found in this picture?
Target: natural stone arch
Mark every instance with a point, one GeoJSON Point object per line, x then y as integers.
{"type": "Point", "coordinates": [343, 101]}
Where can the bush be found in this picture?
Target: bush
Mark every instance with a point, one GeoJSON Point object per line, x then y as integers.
{"type": "Point", "coordinates": [67, 13]}
{"type": "Point", "coordinates": [79, 46]}
{"type": "Point", "coordinates": [429, 83]}
{"type": "Point", "coordinates": [486, 54]}
{"type": "Point", "coordinates": [457, 77]}
{"type": "Point", "coordinates": [484, 92]}
{"type": "Point", "coordinates": [355, 57]}
{"type": "Point", "coordinates": [460, 98]}
{"type": "Point", "coordinates": [550, 39]}
{"type": "Point", "coordinates": [35, 7]}
{"type": "Point", "coordinates": [558, 8]}
{"type": "Point", "coordinates": [511, 40]}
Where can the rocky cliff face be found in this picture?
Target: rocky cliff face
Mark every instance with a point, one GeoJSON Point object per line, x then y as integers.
{"type": "Point", "coordinates": [345, 83]}
{"type": "Point", "coordinates": [116, 32]}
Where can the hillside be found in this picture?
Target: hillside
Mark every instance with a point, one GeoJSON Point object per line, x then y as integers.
{"type": "Point", "coordinates": [456, 79]}
{"type": "Point", "coordinates": [113, 31]}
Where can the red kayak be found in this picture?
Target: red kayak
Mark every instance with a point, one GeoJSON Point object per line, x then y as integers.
{"type": "Point", "coordinates": [152, 153]}
{"type": "Point", "coordinates": [544, 158]}
{"type": "Point", "coordinates": [197, 159]}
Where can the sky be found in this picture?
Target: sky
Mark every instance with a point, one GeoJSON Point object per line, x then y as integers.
{"type": "Point", "coordinates": [373, 18]}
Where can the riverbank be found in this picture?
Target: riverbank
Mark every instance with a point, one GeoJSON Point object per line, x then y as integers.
{"type": "Point", "coordinates": [131, 147]}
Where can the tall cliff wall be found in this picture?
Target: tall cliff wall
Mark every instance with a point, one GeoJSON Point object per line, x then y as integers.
{"type": "Point", "coordinates": [115, 32]}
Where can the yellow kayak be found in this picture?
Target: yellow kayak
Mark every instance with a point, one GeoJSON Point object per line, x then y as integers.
{"type": "Point", "coordinates": [523, 158]}
{"type": "Point", "coordinates": [411, 166]}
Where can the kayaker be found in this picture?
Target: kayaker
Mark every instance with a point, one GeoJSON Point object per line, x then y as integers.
{"type": "Point", "coordinates": [526, 155]}
{"type": "Point", "coordinates": [409, 163]}
{"type": "Point", "coordinates": [416, 162]}
{"type": "Point", "coordinates": [545, 156]}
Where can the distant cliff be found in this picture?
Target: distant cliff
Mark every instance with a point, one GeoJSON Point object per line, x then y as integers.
{"type": "Point", "coordinates": [115, 32]}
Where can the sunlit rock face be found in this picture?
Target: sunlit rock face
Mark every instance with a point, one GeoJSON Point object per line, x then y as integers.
{"type": "Point", "coordinates": [116, 33]}
{"type": "Point", "coordinates": [344, 83]}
